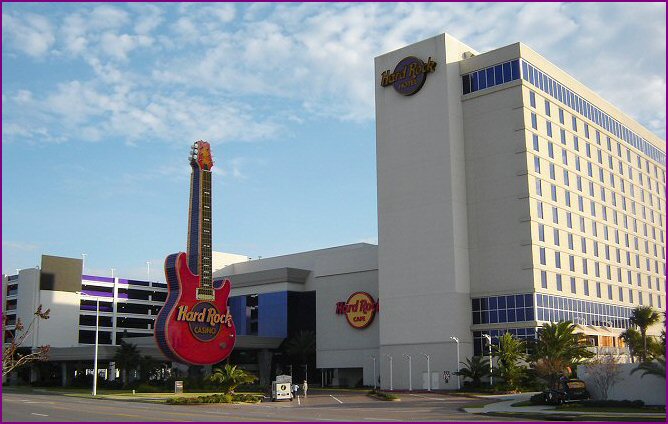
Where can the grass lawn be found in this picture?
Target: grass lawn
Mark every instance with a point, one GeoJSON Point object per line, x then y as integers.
{"type": "Point", "coordinates": [582, 408]}
{"type": "Point", "coordinates": [578, 417]}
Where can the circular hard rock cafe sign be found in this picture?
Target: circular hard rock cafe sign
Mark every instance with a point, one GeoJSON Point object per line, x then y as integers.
{"type": "Point", "coordinates": [409, 75]}
{"type": "Point", "coordinates": [359, 309]}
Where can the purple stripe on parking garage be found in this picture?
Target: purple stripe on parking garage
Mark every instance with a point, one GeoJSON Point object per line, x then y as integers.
{"type": "Point", "coordinates": [96, 278]}
{"type": "Point", "coordinates": [97, 293]}
{"type": "Point", "coordinates": [92, 308]}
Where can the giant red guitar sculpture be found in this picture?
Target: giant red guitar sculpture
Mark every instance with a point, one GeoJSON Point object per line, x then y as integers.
{"type": "Point", "coordinates": [194, 326]}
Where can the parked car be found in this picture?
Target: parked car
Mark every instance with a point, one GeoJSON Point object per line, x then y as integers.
{"type": "Point", "coordinates": [566, 391]}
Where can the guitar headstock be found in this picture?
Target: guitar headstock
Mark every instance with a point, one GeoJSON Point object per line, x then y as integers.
{"type": "Point", "coordinates": [200, 154]}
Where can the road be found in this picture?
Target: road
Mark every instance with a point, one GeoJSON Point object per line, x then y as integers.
{"type": "Point", "coordinates": [320, 406]}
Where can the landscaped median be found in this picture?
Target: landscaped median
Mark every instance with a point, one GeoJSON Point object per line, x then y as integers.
{"type": "Point", "coordinates": [377, 394]}
{"type": "Point", "coordinates": [215, 398]}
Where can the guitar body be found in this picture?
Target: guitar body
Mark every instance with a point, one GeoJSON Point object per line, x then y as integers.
{"type": "Point", "coordinates": [199, 332]}
{"type": "Point", "coordinates": [194, 326]}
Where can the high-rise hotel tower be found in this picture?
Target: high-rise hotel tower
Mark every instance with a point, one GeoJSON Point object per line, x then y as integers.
{"type": "Point", "coordinates": [509, 195]}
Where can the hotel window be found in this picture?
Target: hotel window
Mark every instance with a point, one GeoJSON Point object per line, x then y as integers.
{"type": "Point", "coordinates": [534, 121]}
{"type": "Point", "coordinates": [609, 292]}
{"type": "Point", "coordinates": [535, 142]}
{"type": "Point", "coordinates": [564, 156]}
{"type": "Point", "coordinates": [541, 232]}
{"type": "Point", "coordinates": [536, 164]}
{"type": "Point", "coordinates": [586, 287]}
{"type": "Point", "coordinates": [571, 263]}
{"type": "Point", "coordinates": [573, 288]}
{"type": "Point", "coordinates": [569, 220]}
{"type": "Point", "coordinates": [577, 163]}
{"type": "Point", "coordinates": [562, 134]}
{"type": "Point", "coordinates": [585, 267]}
{"type": "Point", "coordinates": [547, 108]}
{"type": "Point", "coordinates": [532, 99]}
{"type": "Point", "coordinates": [586, 128]}
{"type": "Point", "coordinates": [543, 279]}
{"type": "Point", "coordinates": [570, 241]}
{"type": "Point", "coordinates": [575, 123]}
{"type": "Point", "coordinates": [559, 285]}
{"type": "Point", "coordinates": [621, 294]}
{"type": "Point", "coordinates": [567, 194]}
{"type": "Point", "coordinates": [541, 252]}
{"type": "Point", "coordinates": [598, 289]}
{"type": "Point", "coordinates": [631, 295]}
{"type": "Point", "coordinates": [584, 244]}
{"type": "Point", "coordinates": [555, 215]}
{"type": "Point", "coordinates": [552, 171]}
{"type": "Point", "coordinates": [640, 298]}
{"type": "Point", "coordinates": [561, 116]}
{"type": "Point", "coordinates": [539, 209]}
{"type": "Point", "coordinates": [567, 183]}
{"type": "Point", "coordinates": [556, 236]}
{"type": "Point", "coordinates": [554, 193]}
{"type": "Point", "coordinates": [576, 143]}
{"type": "Point", "coordinates": [598, 137]}
{"type": "Point", "coordinates": [548, 127]}
{"type": "Point", "coordinates": [557, 259]}
{"type": "Point", "coordinates": [539, 188]}
{"type": "Point", "coordinates": [550, 149]}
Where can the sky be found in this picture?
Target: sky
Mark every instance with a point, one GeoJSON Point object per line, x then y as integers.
{"type": "Point", "coordinates": [102, 101]}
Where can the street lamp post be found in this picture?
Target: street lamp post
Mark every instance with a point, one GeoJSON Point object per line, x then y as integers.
{"type": "Point", "coordinates": [410, 372]}
{"type": "Point", "coordinates": [428, 372]}
{"type": "Point", "coordinates": [459, 385]}
{"type": "Point", "coordinates": [390, 358]}
{"type": "Point", "coordinates": [97, 335]}
{"type": "Point", "coordinates": [489, 342]}
{"type": "Point", "coordinates": [373, 358]}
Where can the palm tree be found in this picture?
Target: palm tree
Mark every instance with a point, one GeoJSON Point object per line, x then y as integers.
{"type": "Point", "coordinates": [557, 350]}
{"type": "Point", "coordinates": [657, 368]}
{"type": "Point", "coordinates": [633, 340]}
{"type": "Point", "coordinates": [510, 352]}
{"type": "Point", "coordinates": [229, 377]}
{"type": "Point", "coordinates": [474, 369]}
{"type": "Point", "coordinates": [301, 348]}
{"type": "Point", "coordinates": [644, 317]}
{"type": "Point", "coordinates": [127, 358]}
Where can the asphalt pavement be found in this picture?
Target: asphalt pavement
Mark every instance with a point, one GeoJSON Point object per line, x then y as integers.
{"type": "Point", "coordinates": [319, 406]}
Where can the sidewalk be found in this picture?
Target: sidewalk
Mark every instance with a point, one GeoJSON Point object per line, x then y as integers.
{"type": "Point", "coordinates": [504, 407]}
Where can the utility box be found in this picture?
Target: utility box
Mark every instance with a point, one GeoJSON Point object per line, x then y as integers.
{"type": "Point", "coordinates": [281, 388]}
{"type": "Point", "coordinates": [178, 387]}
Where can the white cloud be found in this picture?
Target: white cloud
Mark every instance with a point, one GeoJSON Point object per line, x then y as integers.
{"type": "Point", "coordinates": [30, 33]}
{"type": "Point", "coordinates": [307, 61]}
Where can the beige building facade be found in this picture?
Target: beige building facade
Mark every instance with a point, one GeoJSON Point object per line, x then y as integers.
{"type": "Point", "coordinates": [510, 195]}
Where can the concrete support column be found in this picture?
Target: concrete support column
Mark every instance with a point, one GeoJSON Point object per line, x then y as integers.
{"type": "Point", "coordinates": [34, 374]}
{"type": "Point", "coordinates": [64, 377]}
{"type": "Point", "coordinates": [112, 371]}
{"type": "Point", "coordinates": [264, 366]}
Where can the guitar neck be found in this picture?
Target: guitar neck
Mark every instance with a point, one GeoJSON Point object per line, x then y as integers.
{"type": "Point", "coordinates": [205, 270]}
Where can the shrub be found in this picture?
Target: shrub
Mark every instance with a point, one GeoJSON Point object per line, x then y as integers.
{"type": "Point", "coordinates": [537, 399]}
